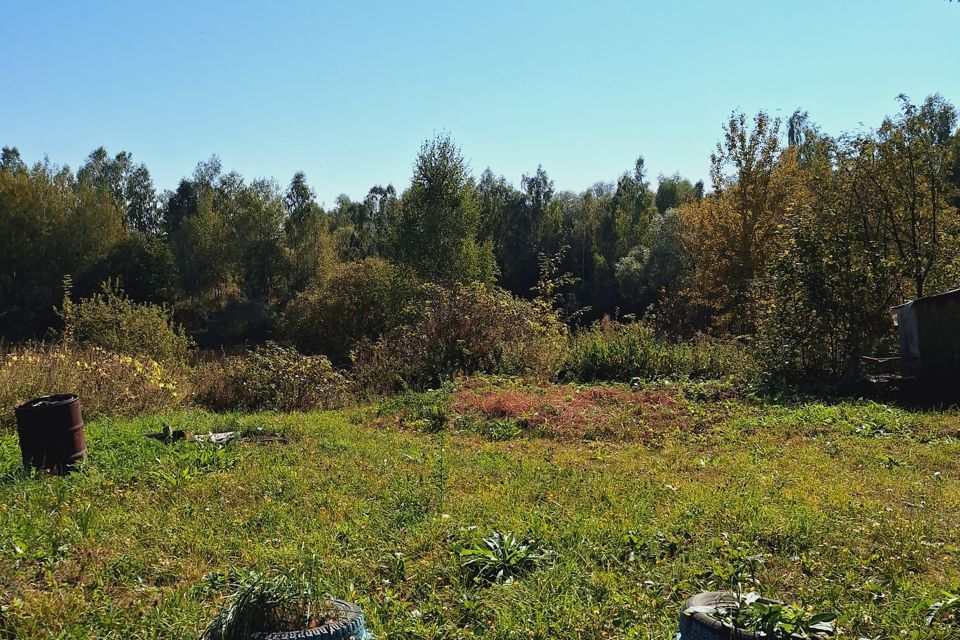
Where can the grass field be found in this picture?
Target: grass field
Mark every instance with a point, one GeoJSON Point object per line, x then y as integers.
{"type": "Point", "coordinates": [642, 497]}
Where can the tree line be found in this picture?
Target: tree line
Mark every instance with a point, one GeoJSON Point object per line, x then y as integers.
{"type": "Point", "coordinates": [799, 246]}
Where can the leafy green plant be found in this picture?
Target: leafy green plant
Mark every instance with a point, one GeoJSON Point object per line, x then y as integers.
{"type": "Point", "coordinates": [500, 429]}
{"type": "Point", "coordinates": [263, 603]}
{"type": "Point", "coordinates": [211, 459]}
{"type": "Point", "coordinates": [654, 548]}
{"type": "Point", "coordinates": [946, 610]}
{"type": "Point", "coordinates": [435, 418]}
{"type": "Point", "coordinates": [192, 464]}
{"type": "Point", "coordinates": [770, 619]}
{"type": "Point", "coordinates": [503, 557]}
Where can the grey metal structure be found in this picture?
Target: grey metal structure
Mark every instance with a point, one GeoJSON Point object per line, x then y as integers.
{"type": "Point", "coordinates": [929, 331]}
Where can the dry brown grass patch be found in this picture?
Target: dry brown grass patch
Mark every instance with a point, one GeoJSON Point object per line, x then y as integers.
{"type": "Point", "coordinates": [567, 412]}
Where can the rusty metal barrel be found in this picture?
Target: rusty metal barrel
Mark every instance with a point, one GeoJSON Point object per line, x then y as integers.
{"type": "Point", "coordinates": [51, 433]}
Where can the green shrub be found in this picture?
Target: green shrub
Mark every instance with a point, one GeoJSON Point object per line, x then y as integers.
{"type": "Point", "coordinates": [614, 351]}
{"type": "Point", "coordinates": [360, 300]}
{"type": "Point", "coordinates": [469, 329]}
{"type": "Point", "coordinates": [270, 377]}
{"type": "Point", "coordinates": [114, 322]}
{"type": "Point", "coordinates": [502, 557]}
{"type": "Point", "coordinates": [817, 321]}
{"type": "Point", "coordinates": [107, 383]}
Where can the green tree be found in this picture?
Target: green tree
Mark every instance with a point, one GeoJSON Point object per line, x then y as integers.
{"type": "Point", "coordinates": [362, 228]}
{"type": "Point", "coordinates": [199, 233]}
{"type": "Point", "coordinates": [514, 220]}
{"type": "Point", "coordinates": [311, 251]}
{"type": "Point", "coordinates": [656, 269]}
{"type": "Point", "coordinates": [496, 199]}
{"type": "Point", "coordinates": [436, 232]}
{"type": "Point", "coordinates": [299, 200]}
{"type": "Point", "coordinates": [11, 161]}
{"type": "Point", "coordinates": [633, 205]}
{"type": "Point", "coordinates": [129, 184]}
{"type": "Point", "coordinates": [731, 235]}
{"type": "Point", "coordinates": [257, 237]}
{"type": "Point", "coordinates": [673, 192]}
{"type": "Point", "coordinates": [51, 225]}
{"type": "Point", "coordinates": [142, 264]}
{"type": "Point", "coordinates": [912, 175]}
{"type": "Point", "coordinates": [382, 207]}
{"type": "Point", "coordinates": [180, 205]}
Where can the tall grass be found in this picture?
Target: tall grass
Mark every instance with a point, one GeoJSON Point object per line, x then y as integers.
{"type": "Point", "coordinates": [107, 383]}
{"type": "Point", "coordinates": [619, 352]}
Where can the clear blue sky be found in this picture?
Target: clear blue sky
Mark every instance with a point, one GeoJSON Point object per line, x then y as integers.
{"type": "Point", "coordinates": [347, 91]}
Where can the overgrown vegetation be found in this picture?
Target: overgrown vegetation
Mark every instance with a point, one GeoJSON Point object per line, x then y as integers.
{"type": "Point", "coordinates": [484, 409]}
{"type": "Point", "coordinates": [799, 248]}
{"type": "Point", "coordinates": [270, 377]}
{"type": "Point", "coordinates": [108, 383]}
{"type": "Point", "coordinates": [460, 331]}
{"type": "Point", "coordinates": [269, 603]}
{"type": "Point", "coordinates": [851, 508]}
{"type": "Point", "coordinates": [620, 352]}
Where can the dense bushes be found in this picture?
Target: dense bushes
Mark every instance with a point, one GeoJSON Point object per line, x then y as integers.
{"type": "Point", "coordinates": [120, 356]}
{"type": "Point", "coordinates": [392, 332]}
{"type": "Point", "coordinates": [270, 378]}
{"type": "Point", "coordinates": [108, 383]}
{"type": "Point", "coordinates": [267, 378]}
{"type": "Point", "coordinates": [464, 330]}
{"type": "Point", "coordinates": [613, 351]}
{"type": "Point", "coordinates": [474, 329]}
{"type": "Point", "coordinates": [112, 321]}
{"type": "Point", "coordinates": [360, 300]}
{"type": "Point", "coordinates": [127, 357]}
